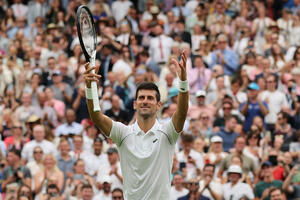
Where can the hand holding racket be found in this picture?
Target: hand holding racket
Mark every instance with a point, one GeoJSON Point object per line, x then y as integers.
{"type": "Point", "coordinates": [88, 42]}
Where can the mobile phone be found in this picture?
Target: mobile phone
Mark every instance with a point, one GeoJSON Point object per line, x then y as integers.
{"type": "Point", "coordinates": [182, 165]}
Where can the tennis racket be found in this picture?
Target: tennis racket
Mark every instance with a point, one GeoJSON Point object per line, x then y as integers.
{"type": "Point", "coordinates": [88, 42]}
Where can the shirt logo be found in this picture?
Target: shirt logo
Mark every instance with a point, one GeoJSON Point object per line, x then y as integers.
{"type": "Point", "coordinates": [155, 140]}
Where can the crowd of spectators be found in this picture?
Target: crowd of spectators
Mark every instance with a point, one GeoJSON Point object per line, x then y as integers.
{"type": "Point", "coordinates": [241, 138]}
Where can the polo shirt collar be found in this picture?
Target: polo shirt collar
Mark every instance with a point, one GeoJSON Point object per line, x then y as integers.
{"type": "Point", "coordinates": [137, 130]}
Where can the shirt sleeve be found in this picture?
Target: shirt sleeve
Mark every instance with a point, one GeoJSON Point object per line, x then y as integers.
{"type": "Point", "coordinates": [118, 132]}
{"type": "Point", "coordinates": [169, 129]}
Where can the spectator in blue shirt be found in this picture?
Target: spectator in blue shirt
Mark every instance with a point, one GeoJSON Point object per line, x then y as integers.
{"type": "Point", "coordinates": [225, 56]}
{"type": "Point", "coordinates": [227, 132]}
{"type": "Point", "coordinates": [253, 107]}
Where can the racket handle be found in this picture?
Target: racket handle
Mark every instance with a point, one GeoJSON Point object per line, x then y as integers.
{"type": "Point", "coordinates": [96, 104]}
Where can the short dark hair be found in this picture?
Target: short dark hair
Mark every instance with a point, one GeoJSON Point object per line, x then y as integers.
{"type": "Point", "coordinates": [186, 138]}
{"type": "Point", "coordinates": [148, 86]}
{"type": "Point", "coordinates": [117, 190]}
{"type": "Point", "coordinates": [52, 186]}
{"type": "Point", "coordinates": [230, 117]}
{"type": "Point", "coordinates": [209, 165]}
{"type": "Point", "coordinates": [98, 139]}
{"type": "Point", "coordinates": [86, 186]}
{"type": "Point", "coordinates": [273, 189]}
{"type": "Point", "coordinates": [239, 136]}
{"type": "Point", "coordinates": [15, 151]}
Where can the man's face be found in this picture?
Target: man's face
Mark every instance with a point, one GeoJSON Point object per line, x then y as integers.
{"type": "Point", "coordinates": [87, 194]}
{"type": "Point", "coordinates": [227, 109]}
{"type": "Point", "coordinates": [208, 171]}
{"type": "Point", "coordinates": [97, 147]}
{"type": "Point", "coordinates": [38, 133]}
{"type": "Point", "coordinates": [234, 177]}
{"type": "Point", "coordinates": [117, 195]}
{"type": "Point", "coordinates": [201, 100]}
{"type": "Point", "coordinates": [187, 146]}
{"type": "Point", "coordinates": [240, 144]}
{"type": "Point", "coordinates": [193, 186]}
{"type": "Point", "coordinates": [177, 180]}
{"type": "Point", "coordinates": [271, 83]}
{"type": "Point", "coordinates": [11, 158]}
{"type": "Point", "coordinates": [64, 147]}
{"type": "Point", "coordinates": [232, 124]}
{"type": "Point", "coordinates": [276, 195]}
{"type": "Point", "coordinates": [106, 187]}
{"type": "Point", "coordinates": [146, 103]}
{"type": "Point", "coordinates": [70, 116]}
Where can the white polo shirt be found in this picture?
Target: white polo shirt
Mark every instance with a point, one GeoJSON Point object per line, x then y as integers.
{"type": "Point", "coordinates": [146, 159]}
{"type": "Point", "coordinates": [237, 191]}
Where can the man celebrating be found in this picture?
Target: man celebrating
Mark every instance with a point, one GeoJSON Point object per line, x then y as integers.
{"type": "Point", "coordinates": [146, 148]}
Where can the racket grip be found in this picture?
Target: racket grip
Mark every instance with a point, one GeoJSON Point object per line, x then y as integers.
{"type": "Point", "coordinates": [96, 104]}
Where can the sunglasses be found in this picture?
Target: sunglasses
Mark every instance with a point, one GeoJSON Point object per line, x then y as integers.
{"type": "Point", "coordinates": [35, 152]}
{"type": "Point", "coordinates": [193, 183]}
{"type": "Point", "coordinates": [227, 108]}
{"type": "Point", "coordinates": [117, 197]}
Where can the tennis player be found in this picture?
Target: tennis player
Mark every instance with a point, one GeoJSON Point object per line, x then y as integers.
{"type": "Point", "coordinates": [146, 148]}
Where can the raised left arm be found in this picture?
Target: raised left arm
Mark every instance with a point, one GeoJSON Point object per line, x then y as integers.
{"type": "Point", "coordinates": [180, 114]}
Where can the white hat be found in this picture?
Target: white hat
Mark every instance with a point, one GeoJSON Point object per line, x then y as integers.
{"type": "Point", "coordinates": [296, 71]}
{"type": "Point", "coordinates": [106, 179]}
{"type": "Point", "coordinates": [235, 169]}
{"type": "Point", "coordinates": [200, 93]}
{"type": "Point", "coordinates": [216, 138]}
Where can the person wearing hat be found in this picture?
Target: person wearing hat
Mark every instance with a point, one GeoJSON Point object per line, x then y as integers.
{"type": "Point", "coordinates": [253, 106]}
{"type": "Point", "coordinates": [216, 153]}
{"type": "Point", "coordinates": [262, 188]}
{"type": "Point", "coordinates": [62, 91]}
{"type": "Point", "coordinates": [146, 147]}
{"type": "Point", "coordinates": [234, 189]}
{"type": "Point", "coordinates": [112, 170]}
{"type": "Point", "coordinates": [292, 183]}
{"type": "Point", "coordinates": [200, 106]}
{"type": "Point", "coordinates": [193, 186]}
{"type": "Point", "coordinates": [105, 193]}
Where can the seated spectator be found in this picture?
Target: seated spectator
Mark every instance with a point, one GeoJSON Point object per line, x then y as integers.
{"type": "Point", "coordinates": [228, 133]}
{"type": "Point", "coordinates": [234, 189]}
{"type": "Point", "coordinates": [247, 163]}
{"type": "Point", "coordinates": [57, 105]}
{"type": "Point", "coordinates": [194, 193]}
{"type": "Point", "coordinates": [292, 184]}
{"type": "Point", "coordinates": [78, 151]}
{"type": "Point", "coordinates": [276, 194]}
{"type": "Point", "coordinates": [39, 135]}
{"type": "Point", "coordinates": [192, 159]}
{"type": "Point", "coordinates": [116, 113]}
{"type": "Point", "coordinates": [49, 174]}
{"type": "Point", "coordinates": [71, 127]}
{"type": "Point", "coordinates": [64, 161]}
{"type": "Point", "coordinates": [117, 194]}
{"type": "Point", "coordinates": [262, 188]}
{"type": "Point", "coordinates": [51, 192]}
{"type": "Point", "coordinates": [112, 170]}
{"type": "Point", "coordinates": [209, 186]}
{"type": "Point", "coordinates": [177, 189]}
{"type": "Point", "coordinates": [91, 134]}
{"type": "Point", "coordinates": [17, 139]}
{"type": "Point", "coordinates": [25, 191]}
{"type": "Point", "coordinates": [220, 120]}
{"type": "Point", "coordinates": [105, 192]}
{"type": "Point", "coordinates": [215, 154]}
{"type": "Point", "coordinates": [37, 164]}
{"type": "Point", "coordinates": [253, 150]}
{"type": "Point", "coordinates": [15, 172]}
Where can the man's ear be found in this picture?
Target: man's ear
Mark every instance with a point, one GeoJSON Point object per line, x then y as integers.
{"type": "Point", "coordinates": [159, 105]}
{"type": "Point", "coordinates": [134, 105]}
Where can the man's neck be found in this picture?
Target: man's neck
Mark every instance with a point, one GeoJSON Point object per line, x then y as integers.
{"type": "Point", "coordinates": [268, 179]}
{"type": "Point", "coordinates": [178, 187]}
{"type": "Point", "coordinates": [146, 124]}
{"type": "Point", "coordinates": [65, 156]}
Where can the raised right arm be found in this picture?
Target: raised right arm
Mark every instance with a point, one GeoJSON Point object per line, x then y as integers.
{"type": "Point", "coordinates": [103, 122]}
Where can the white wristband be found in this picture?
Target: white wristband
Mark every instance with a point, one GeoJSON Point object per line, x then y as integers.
{"type": "Point", "coordinates": [183, 86]}
{"type": "Point", "coordinates": [88, 93]}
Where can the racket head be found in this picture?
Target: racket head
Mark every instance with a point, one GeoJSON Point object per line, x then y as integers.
{"type": "Point", "coordinates": [86, 31]}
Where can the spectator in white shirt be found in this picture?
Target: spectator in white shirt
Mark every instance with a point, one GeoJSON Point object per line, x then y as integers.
{"type": "Point", "coordinates": [235, 190]}
{"type": "Point", "coordinates": [105, 193]}
{"type": "Point", "coordinates": [208, 186]}
{"type": "Point", "coordinates": [178, 190]}
{"type": "Point", "coordinates": [39, 140]}
{"type": "Point", "coordinates": [88, 139]}
{"type": "Point", "coordinates": [193, 159]}
{"type": "Point", "coordinates": [112, 170]}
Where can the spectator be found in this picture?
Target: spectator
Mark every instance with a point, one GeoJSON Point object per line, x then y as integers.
{"type": "Point", "coordinates": [291, 184]}
{"type": "Point", "coordinates": [105, 192]}
{"type": "Point", "coordinates": [117, 194]}
{"type": "Point", "coordinates": [64, 161]}
{"type": "Point", "coordinates": [116, 113]}
{"type": "Point", "coordinates": [247, 163]}
{"type": "Point", "coordinates": [193, 187]}
{"type": "Point", "coordinates": [177, 189]}
{"type": "Point", "coordinates": [262, 188]}
{"type": "Point", "coordinates": [253, 107]}
{"type": "Point", "coordinates": [234, 189]}
{"type": "Point", "coordinates": [71, 127]}
{"type": "Point", "coordinates": [39, 135]}
{"type": "Point", "coordinates": [209, 186]}
{"type": "Point", "coordinates": [47, 175]}
{"type": "Point", "coordinates": [216, 154]}
{"type": "Point", "coordinates": [52, 192]}
{"type": "Point", "coordinates": [37, 164]}
{"type": "Point", "coordinates": [15, 172]}
{"type": "Point", "coordinates": [228, 133]}
{"type": "Point", "coordinates": [192, 159]}
{"type": "Point", "coordinates": [224, 56]}
{"type": "Point", "coordinates": [112, 170]}
{"type": "Point", "coordinates": [17, 139]}
{"type": "Point", "coordinates": [25, 191]}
